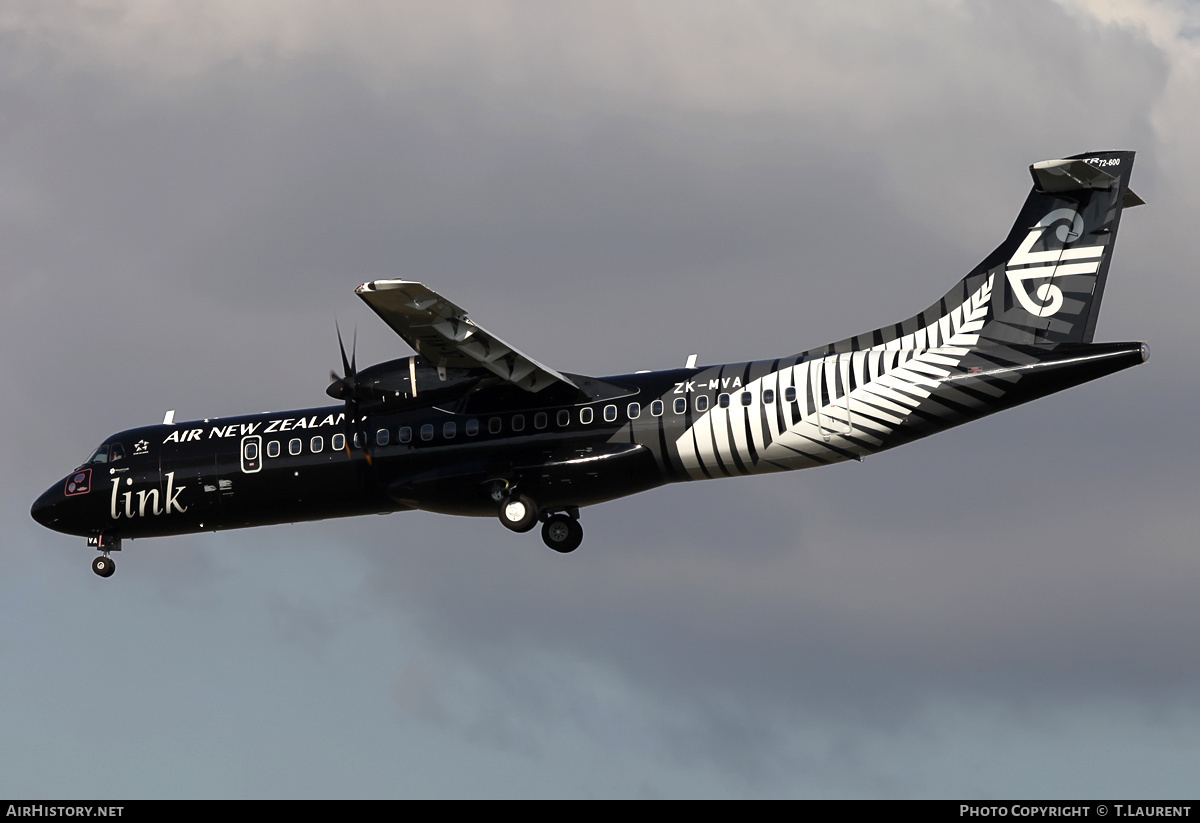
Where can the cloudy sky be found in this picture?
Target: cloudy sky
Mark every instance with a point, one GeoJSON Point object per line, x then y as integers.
{"type": "Point", "coordinates": [190, 192]}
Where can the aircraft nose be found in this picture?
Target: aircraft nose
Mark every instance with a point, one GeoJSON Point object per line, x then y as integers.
{"type": "Point", "coordinates": [68, 506]}
{"type": "Point", "coordinates": [45, 508]}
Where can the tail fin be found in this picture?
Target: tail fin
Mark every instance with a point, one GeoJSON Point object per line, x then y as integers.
{"type": "Point", "coordinates": [1044, 283]}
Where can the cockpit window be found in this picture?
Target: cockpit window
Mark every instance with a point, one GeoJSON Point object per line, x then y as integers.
{"type": "Point", "coordinates": [108, 453]}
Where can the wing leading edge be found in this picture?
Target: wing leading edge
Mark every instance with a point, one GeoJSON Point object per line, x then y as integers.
{"type": "Point", "coordinates": [441, 332]}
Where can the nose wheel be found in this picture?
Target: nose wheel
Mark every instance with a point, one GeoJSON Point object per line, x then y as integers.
{"type": "Point", "coordinates": [104, 566]}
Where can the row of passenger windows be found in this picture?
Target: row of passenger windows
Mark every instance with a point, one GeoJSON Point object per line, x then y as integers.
{"type": "Point", "coordinates": [495, 425]}
{"type": "Point", "coordinates": [316, 445]}
{"type": "Point", "coordinates": [768, 397]}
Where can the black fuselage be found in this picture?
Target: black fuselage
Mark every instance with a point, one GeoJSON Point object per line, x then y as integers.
{"type": "Point", "coordinates": [462, 458]}
{"type": "Point", "coordinates": [295, 466]}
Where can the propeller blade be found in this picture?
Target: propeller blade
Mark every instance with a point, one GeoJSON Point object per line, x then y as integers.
{"type": "Point", "coordinates": [347, 369]}
{"type": "Point", "coordinates": [346, 387]}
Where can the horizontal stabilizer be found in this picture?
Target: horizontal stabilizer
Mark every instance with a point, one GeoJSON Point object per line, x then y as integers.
{"type": "Point", "coordinates": [1073, 174]}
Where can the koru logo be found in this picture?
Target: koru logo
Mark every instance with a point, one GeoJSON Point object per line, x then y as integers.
{"type": "Point", "coordinates": [1028, 265]}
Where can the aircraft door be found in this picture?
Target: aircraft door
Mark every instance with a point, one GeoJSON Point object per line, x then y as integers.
{"type": "Point", "coordinates": [240, 479]}
{"type": "Point", "coordinates": [251, 453]}
{"type": "Point", "coordinates": [831, 396]}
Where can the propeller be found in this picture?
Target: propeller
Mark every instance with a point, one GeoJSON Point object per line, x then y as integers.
{"type": "Point", "coordinates": [346, 387]}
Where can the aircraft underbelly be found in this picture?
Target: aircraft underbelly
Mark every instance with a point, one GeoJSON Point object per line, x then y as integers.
{"type": "Point", "coordinates": [578, 475]}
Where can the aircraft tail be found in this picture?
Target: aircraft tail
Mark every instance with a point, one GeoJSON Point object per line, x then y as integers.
{"type": "Point", "coordinates": [1043, 285]}
{"type": "Point", "coordinates": [1017, 328]}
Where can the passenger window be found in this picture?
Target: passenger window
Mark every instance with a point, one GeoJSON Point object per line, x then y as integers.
{"type": "Point", "coordinates": [250, 450]}
{"type": "Point", "coordinates": [789, 394]}
{"type": "Point", "coordinates": [494, 425]}
{"type": "Point", "coordinates": [540, 420]}
{"type": "Point", "coordinates": [294, 446]}
{"type": "Point", "coordinates": [427, 431]}
{"type": "Point", "coordinates": [382, 437]}
{"type": "Point", "coordinates": [472, 427]}
{"type": "Point", "coordinates": [449, 430]}
{"type": "Point", "coordinates": [405, 434]}
{"type": "Point", "coordinates": [610, 414]}
{"type": "Point", "coordinates": [317, 444]}
{"type": "Point", "coordinates": [585, 415]}
{"type": "Point", "coordinates": [747, 398]}
{"type": "Point", "coordinates": [634, 411]}
{"type": "Point", "coordinates": [723, 401]}
{"type": "Point", "coordinates": [564, 417]}
{"type": "Point", "coordinates": [357, 441]}
{"type": "Point", "coordinates": [768, 396]}
{"type": "Point", "coordinates": [701, 402]}
{"type": "Point", "coordinates": [656, 408]}
{"type": "Point", "coordinates": [273, 448]}
{"type": "Point", "coordinates": [518, 422]}
{"type": "Point", "coordinates": [337, 443]}
{"type": "Point", "coordinates": [680, 405]}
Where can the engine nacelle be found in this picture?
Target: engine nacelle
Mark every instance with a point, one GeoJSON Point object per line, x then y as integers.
{"type": "Point", "coordinates": [398, 384]}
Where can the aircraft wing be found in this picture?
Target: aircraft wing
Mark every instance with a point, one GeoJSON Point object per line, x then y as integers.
{"type": "Point", "coordinates": [441, 332]}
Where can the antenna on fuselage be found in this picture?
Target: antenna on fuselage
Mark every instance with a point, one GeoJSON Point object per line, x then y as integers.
{"type": "Point", "coordinates": [169, 418]}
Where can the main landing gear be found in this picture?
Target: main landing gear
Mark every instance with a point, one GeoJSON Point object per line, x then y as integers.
{"type": "Point", "coordinates": [560, 531]}
{"type": "Point", "coordinates": [104, 566]}
{"type": "Point", "coordinates": [517, 512]}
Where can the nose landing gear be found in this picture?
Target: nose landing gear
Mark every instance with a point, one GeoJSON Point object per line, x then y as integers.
{"type": "Point", "coordinates": [104, 566]}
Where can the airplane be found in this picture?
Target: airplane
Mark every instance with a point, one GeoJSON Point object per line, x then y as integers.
{"type": "Point", "coordinates": [469, 425]}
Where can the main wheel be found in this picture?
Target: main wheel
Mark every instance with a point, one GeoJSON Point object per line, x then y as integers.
{"type": "Point", "coordinates": [104, 566]}
{"type": "Point", "coordinates": [518, 513]}
{"type": "Point", "coordinates": [562, 533]}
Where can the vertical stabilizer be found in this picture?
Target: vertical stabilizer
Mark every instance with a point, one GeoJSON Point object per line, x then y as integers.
{"type": "Point", "coordinates": [1046, 280]}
